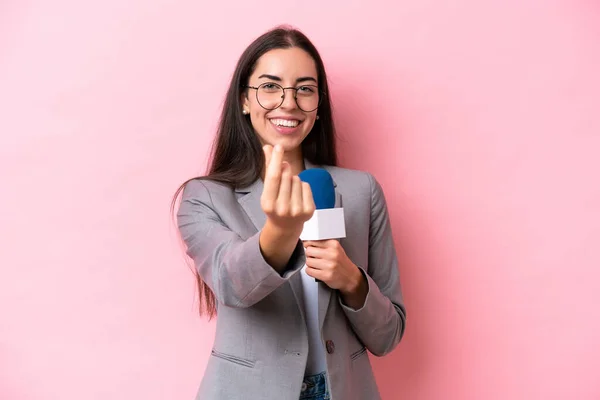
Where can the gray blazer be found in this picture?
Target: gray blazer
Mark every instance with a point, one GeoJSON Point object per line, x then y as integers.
{"type": "Point", "coordinates": [261, 344]}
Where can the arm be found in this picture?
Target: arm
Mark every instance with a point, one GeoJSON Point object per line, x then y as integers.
{"type": "Point", "coordinates": [234, 269]}
{"type": "Point", "coordinates": [381, 320]}
{"type": "Point", "coordinates": [277, 245]}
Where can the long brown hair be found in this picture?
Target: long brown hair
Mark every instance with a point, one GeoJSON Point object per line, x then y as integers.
{"type": "Point", "coordinates": [237, 158]}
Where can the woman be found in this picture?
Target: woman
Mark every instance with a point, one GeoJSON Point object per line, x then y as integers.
{"type": "Point", "coordinates": [295, 319]}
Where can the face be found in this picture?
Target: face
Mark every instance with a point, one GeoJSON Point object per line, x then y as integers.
{"type": "Point", "coordinates": [288, 124]}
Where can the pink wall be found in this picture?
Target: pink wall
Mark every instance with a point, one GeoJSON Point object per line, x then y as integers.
{"type": "Point", "coordinates": [480, 119]}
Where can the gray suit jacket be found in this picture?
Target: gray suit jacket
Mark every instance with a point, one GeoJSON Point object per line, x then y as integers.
{"type": "Point", "coordinates": [261, 342]}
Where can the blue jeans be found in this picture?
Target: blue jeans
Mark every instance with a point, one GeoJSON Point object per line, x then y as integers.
{"type": "Point", "coordinates": [314, 387]}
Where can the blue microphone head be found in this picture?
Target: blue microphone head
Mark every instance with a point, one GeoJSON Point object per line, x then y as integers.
{"type": "Point", "coordinates": [321, 185]}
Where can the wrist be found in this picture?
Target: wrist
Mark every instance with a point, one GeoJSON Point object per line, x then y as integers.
{"type": "Point", "coordinates": [277, 245]}
{"type": "Point", "coordinates": [355, 282]}
{"type": "Point", "coordinates": [282, 232]}
{"type": "Point", "coordinates": [355, 294]}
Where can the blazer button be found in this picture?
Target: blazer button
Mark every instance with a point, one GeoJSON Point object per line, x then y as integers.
{"type": "Point", "coordinates": [330, 346]}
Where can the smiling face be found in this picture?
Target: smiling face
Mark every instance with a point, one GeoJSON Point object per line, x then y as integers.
{"type": "Point", "coordinates": [287, 124]}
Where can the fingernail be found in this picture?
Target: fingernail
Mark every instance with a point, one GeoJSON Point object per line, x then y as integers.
{"type": "Point", "coordinates": [277, 147]}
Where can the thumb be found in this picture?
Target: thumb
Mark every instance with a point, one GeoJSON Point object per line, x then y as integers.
{"type": "Point", "coordinates": [268, 150]}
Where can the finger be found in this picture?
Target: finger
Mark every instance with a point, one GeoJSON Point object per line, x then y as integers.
{"type": "Point", "coordinates": [308, 202]}
{"type": "Point", "coordinates": [318, 263]}
{"type": "Point", "coordinates": [274, 165]}
{"type": "Point", "coordinates": [272, 176]}
{"type": "Point", "coordinates": [322, 244]}
{"type": "Point", "coordinates": [313, 243]}
{"type": "Point", "coordinates": [318, 274]}
{"type": "Point", "coordinates": [296, 196]}
{"type": "Point", "coordinates": [285, 188]}
{"type": "Point", "coordinates": [268, 150]}
{"type": "Point", "coordinates": [315, 252]}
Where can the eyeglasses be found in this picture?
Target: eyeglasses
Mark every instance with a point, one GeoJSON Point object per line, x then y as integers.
{"type": "Point", "coordinates": [271, 96]}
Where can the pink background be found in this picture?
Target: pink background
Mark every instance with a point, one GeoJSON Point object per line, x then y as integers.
{"type": "Point", "coordinates": [481, 119]}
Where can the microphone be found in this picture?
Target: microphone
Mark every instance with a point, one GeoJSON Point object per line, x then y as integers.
{"type": "Point", "coordinates": [327, 221]}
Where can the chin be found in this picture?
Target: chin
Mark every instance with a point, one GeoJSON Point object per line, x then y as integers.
{"type": "Point", "coordinates": [288, 144]}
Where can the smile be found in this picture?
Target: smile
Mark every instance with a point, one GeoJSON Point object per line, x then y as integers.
{"type": "Point", "coordinates": [288, 123]}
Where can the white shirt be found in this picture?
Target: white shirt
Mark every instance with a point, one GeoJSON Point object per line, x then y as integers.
{"type": "Point", "coordinates": [317, 361]}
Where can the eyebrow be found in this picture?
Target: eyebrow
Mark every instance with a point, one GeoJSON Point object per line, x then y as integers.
{"type": "Point", "coordinates": [278, 79]}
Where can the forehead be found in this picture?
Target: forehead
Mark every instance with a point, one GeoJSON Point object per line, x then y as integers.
{"type": "Point", "coordinates": [288, 64]}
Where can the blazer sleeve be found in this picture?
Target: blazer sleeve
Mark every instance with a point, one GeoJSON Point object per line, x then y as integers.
{"type": "Point", "coordinates": [380, 322]}
{"type": "Point", "coordinates": [234, 268]}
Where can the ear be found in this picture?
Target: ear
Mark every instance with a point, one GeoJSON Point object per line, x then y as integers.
{"type": "Point", "coordinates": [245, 102]}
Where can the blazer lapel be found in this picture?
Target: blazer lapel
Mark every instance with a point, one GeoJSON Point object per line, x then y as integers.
{"type": "Point", "coordinates": [249, 199]}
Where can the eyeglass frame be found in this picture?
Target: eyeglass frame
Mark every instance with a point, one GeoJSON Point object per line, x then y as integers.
{"type": "Point", "coordinates": [319, 92]}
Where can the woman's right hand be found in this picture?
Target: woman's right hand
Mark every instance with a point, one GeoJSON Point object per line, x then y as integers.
{"type": "Point", "coordinates": [286, 200]}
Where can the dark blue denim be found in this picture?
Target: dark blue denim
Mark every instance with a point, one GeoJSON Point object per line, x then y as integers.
{"type": "Point", "coordinates": [314, 387]}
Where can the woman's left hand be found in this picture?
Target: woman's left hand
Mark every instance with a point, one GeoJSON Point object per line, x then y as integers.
{"type": "Point", "coordinates": [327, 261]}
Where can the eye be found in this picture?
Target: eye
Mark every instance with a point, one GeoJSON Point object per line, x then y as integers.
{"type": "Point", "coordinates": [270, 87]}
{"type": "Point", "coordinates": [306, 89]}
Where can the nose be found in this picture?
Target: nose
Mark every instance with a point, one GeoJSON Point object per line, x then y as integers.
{"type": "Point", "coordinates": [289, 99]}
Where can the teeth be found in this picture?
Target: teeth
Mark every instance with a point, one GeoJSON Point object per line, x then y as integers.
{"type": "Point", "coordinates": [285, 122]}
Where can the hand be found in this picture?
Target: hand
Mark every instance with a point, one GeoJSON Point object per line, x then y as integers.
{"type": "Point", "coordinates": [286, 200]}
{"type": "Point", "coordinates": [327, 261]}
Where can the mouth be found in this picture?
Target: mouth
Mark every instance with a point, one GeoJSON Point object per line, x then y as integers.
{"type": "Point", "coordinates": [285, 126]}
{"type": "Point", "coordinates": [285, 123]}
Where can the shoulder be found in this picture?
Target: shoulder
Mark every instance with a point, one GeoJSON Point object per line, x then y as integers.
{"type": "Point", "coordinates": [355, 181]}
{"type": "Point", "coordinates": [206, 190]}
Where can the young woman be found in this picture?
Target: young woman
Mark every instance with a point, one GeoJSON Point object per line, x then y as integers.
{"type": "Point", "coordinates": [294, 319]}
